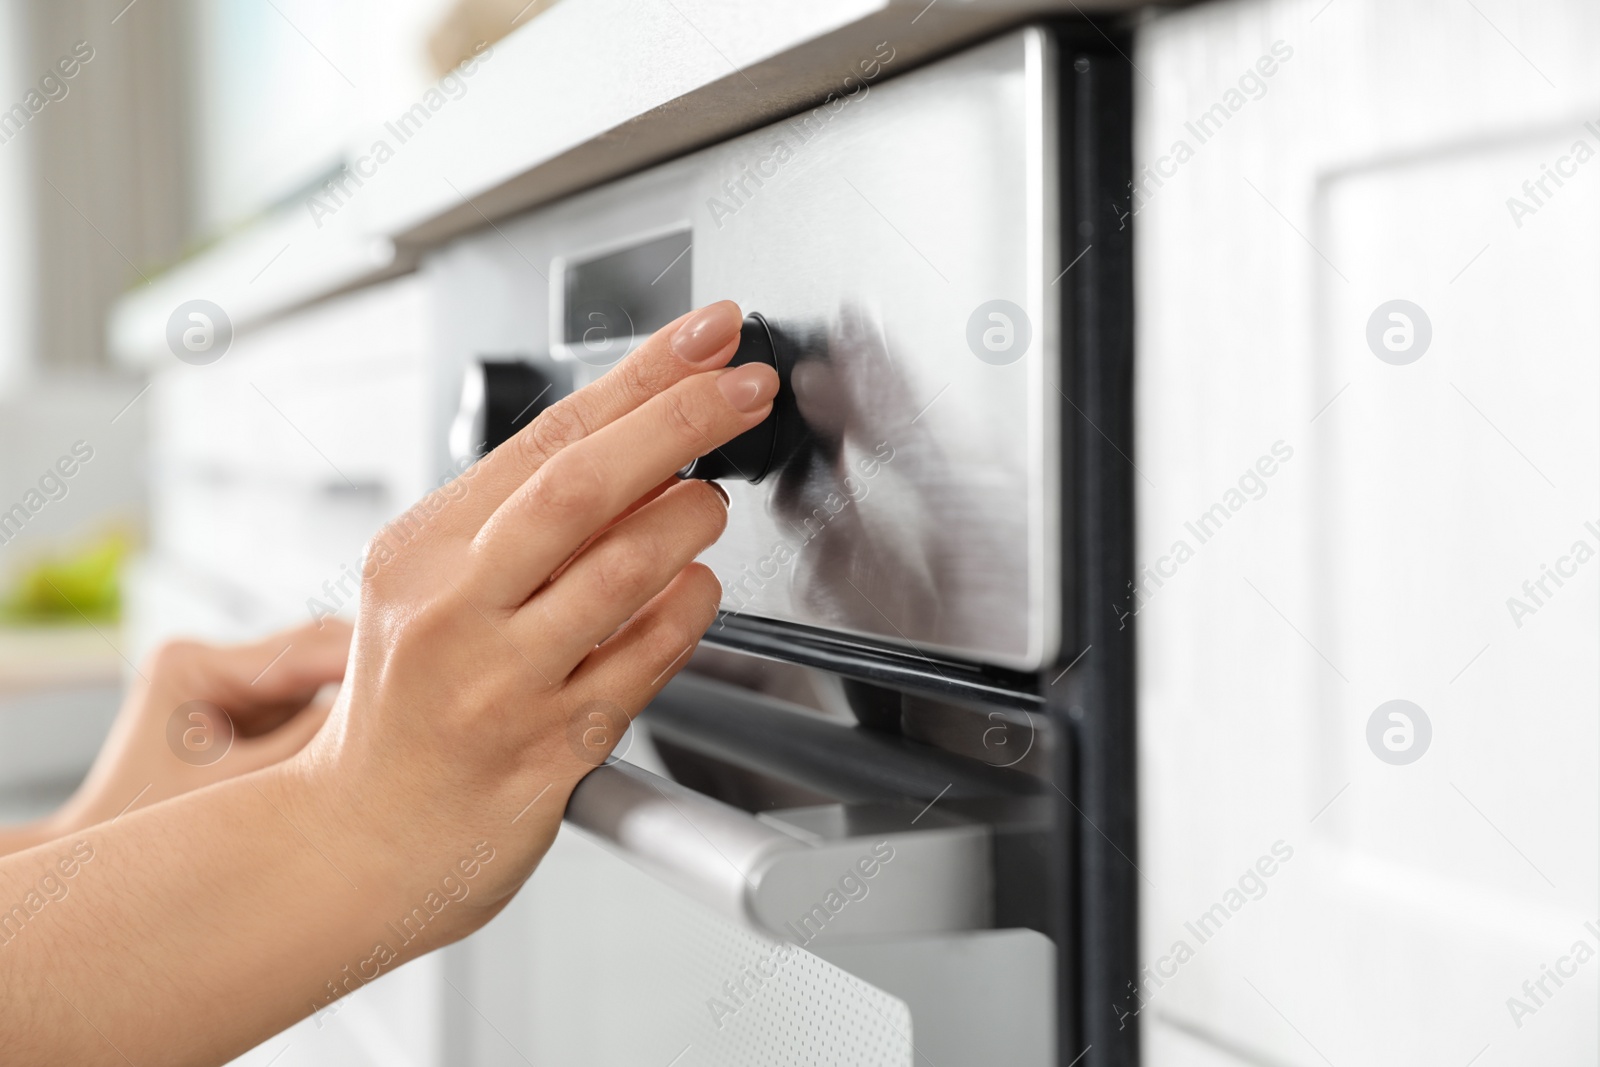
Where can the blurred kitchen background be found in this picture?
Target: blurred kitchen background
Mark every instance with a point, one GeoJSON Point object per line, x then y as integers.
{"type": "Point", "coordinates": [1415, 158]}
{"type": "Point", "coordinates": [181, 126]}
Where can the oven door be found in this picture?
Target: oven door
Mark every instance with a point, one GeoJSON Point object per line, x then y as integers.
{"type": "Point", "coordinates": [762, 882]}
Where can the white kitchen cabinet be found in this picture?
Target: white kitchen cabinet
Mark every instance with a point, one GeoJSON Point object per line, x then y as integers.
{"type": "Point", "coordinates": [273, 466]}
{"type": "Point", "coordinates": [1411, 496]}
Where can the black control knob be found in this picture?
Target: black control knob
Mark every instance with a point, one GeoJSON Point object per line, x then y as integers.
{"type": "Point", "coordinates": [751, 455]}
{"type": "Point", "coordinates": [499, 396]}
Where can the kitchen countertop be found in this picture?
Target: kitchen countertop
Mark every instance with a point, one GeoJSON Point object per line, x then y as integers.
{"type": "Point", "coordinates": [656, 79]}
{"type": "Point", "coordinates": [58, 657]}
{"type": "Point", "coordinates": [59, 691]}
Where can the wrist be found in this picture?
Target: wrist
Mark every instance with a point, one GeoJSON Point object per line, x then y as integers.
{"type": "Point", "coordinates": [306, 796]}
{"type": "Point", "coordinates": [412, 895]}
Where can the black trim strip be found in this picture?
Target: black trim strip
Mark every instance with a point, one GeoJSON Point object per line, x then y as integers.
{"type": "Point", "coordinates": [905, 671]}
{"type": "Point", "coordinates": [1094, 702]}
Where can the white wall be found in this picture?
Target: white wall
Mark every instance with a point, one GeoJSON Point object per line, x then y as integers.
{"type": "Point", "coordinates": [16, 228]}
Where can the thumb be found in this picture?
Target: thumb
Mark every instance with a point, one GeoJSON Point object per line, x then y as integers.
{"type": "Point", "coordinates": [292, 736]}
{"type": "Point", "coordinates": [287, 667]}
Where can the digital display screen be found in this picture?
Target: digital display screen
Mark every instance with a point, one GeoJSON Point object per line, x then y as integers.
{"type": "Point", "coordinates": [631, 292]}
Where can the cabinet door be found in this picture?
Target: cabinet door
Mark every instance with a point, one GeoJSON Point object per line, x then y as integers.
{"type": "Point", "coordinates": [1367, 413]}
{"type": "Point", "coordinates": [396, 1020]}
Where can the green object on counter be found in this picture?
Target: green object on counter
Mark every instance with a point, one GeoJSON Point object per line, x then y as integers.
{"type": "Point", "coordinates": [71, 586]}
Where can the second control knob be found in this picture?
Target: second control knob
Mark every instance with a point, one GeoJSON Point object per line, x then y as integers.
{"type": "Point", "coordinates": [751, 455]}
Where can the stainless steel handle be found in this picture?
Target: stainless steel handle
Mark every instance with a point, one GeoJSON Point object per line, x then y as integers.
{"type": "Point", "coordinates": [825, 874]}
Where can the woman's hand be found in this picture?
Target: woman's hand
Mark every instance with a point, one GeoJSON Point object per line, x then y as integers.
{"type": "Point", "coordinates": [202, 713]}
{"type": "Point", "coordinates": [510, 626]}
{"type": "Point", "coordinates": [514, 623]}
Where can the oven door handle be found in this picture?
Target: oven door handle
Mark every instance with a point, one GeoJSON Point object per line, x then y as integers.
{"type": "Point", "coordinates": [828, 874]}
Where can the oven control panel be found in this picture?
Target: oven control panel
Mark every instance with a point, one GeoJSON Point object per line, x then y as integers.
{"type": "Point", "coordinates": [895, 249]}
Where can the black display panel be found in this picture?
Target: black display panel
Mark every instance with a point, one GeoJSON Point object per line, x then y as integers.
{"type": "Point", "coordinates": [628, 293]}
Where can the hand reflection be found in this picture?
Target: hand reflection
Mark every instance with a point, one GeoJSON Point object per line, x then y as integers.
{"type": "Point", "coordinates": [871, 566]}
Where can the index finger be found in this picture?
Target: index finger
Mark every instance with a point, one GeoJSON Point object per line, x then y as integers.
{"type": "Point", "coordinates": [590, 483]}
{"type": "Point", "coordinates": [699, 341]}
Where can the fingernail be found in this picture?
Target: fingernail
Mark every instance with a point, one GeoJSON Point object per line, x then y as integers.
{"type": "Point", "coordinates": [723, 493]}
{"type": "Point", "coordinates": [707, 332]}
{"type": "Point", "coordinates": [749, 387]}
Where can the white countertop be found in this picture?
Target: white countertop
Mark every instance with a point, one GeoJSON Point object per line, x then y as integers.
{"type": "Point", "coordinates": [38, 658]}
{"type": "Point", "coordinates": [587, 91]}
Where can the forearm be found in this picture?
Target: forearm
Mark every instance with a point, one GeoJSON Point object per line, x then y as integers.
{"type": "Point", "coordinates": [19, 837]}
{"type": "Point", "coordinates": [186, 932]}
{"type": "Point", "coordinates": [69, 818]}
